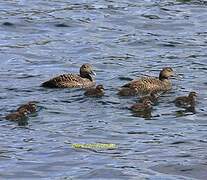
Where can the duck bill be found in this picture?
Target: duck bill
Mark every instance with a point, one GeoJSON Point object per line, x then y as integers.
{"type": "Point", "coordinates": [177, 76]}
{"type": "Point", "coordinates": [93, 73]}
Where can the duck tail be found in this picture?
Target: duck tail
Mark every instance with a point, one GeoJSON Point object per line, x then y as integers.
{"type": "Point", "coordinates": [125, 91]}
{"type": "Point", "coordinates": [48, 84]}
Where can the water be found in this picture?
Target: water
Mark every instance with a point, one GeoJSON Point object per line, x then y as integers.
{"type": "Point", "coordinates": [122, 39]}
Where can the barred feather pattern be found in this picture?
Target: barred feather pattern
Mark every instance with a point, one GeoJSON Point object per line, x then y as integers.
{"type": "Point", "coordinates": [68, 81]}
{"type": "Point", "coordinates": [145, 85]}
{"type": "Point", "coordinates": [30, 107]}
{"type": "Point", "coordinates": [15, 116]}
{"type": "Point", "coordinates": [94, 92]}
{"type": "Point", "coordinates": [184, 102]}
{"type": "Point", "coordinates": [22, 111]}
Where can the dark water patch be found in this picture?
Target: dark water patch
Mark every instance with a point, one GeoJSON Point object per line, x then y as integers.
{"type": "Point", "coordinates": [135, 132]}
{"type": "Point", "coordinates": [62, 25]}
{"type": "Point", "coordinates": [197, 171]}
{"type": "Point", "coordinates": [107, 173]}
{"type": "Point", "coordinates": [8, 24]}
{"type": "Point", "coordinates": [148, 16]}
{"type": "Point", "coordinates": [125, 78]}
{"type": "Point", "coordinates": [179, 142]}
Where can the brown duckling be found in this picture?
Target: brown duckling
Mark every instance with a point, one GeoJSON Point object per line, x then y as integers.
{"type": "Point", "coordinates": [145, 85]}
{"type": "Point", "coordinates": [30, 107]}
{"type": "Point", "coordinates": [186, 101]}
{"type": "Point", "coordinates": [153, 97]}
{"type": "Point", "coordinates": [16, 116]}
{"type": "Point", "coordinates": [22, 111]}
{"type": "Point", "coordinates": [142, 107]}
{"type": "Point", "coordinates": [98, 91]}
{"type": "Point", "coordinates": [83, 80]}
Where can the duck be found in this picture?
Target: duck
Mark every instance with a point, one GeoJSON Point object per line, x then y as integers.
{"type": "Point", "coordinates": [82, 80]}
{"type": "Point", "coordinates": [29, 107]}
{"type": "Point", "coordinates": [146, 85]}
{"type": "Point", "coordinates": [153, 97]}
{"type": "Point", "coordinates": [142, 107]}
{"type": "Point", "coordinates": [186, 101]}
{"type": "Point", "coordinates": [22, 112]}
{"type": "Point", "coordinates": [98, 91]}
{"type": "Point", "coordinates": [16, 116]}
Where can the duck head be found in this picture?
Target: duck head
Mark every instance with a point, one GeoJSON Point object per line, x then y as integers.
{"type": "Point", "coordinates": [86, 71]}
{"type": "Point", "coordinates": [166, 73]}
{"type": "Point", "coordinates": [192, 95]}
{"type": "Point", "coordinates": [100, 87]}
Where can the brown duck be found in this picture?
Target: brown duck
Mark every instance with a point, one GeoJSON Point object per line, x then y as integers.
{"type": "Point", "coordinates": [153, 97]}
{"type": "Point", "coordinates": [147, 85]}
{"type": "Point", "coordinates": [98, 91]}
{"type": "Point", "coordinates": [142, 107]}
{"type": "Point", "coordinates": [83, 80]}
{"type": "Point", "coordinates": [22, 112]}
{"type": "Point", "coordinates": [16, 116]}
{"type": "Point", "coordinates": [186, 101]}
{"type": "Point", "coordinates": [29, 108]}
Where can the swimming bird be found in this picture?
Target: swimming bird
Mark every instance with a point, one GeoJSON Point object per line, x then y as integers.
{"type": "Point", "coordinates": [29, 108]}
{"type": "Point", "coordinates": [98, 91]}
{"type": "Point", "coordinates": [153, 97]}
{"type": "Point", "coordinates": [22, 112]}
{"type": "Point", "coordinates": [83, 80]}
{"type": "Point", "coordinates": [146, 85]}
{"type": "Point", "coordinates": [186, 101]}
{"type": "Point", "coordinates": [16, 116]}
{"type": "Point", "coordinates": [142, 107]}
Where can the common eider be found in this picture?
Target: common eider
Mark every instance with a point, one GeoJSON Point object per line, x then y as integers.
{"type": "Point", "coordinates": [98, 91]}
{"type": "Point", "coordinates": [16, 116]}
{"type": "Point", "coordinates": [146, 85]}
{"type": "Point", "coordinates": [142, 107]}
{"type": "Point", "coordinates": [83, 80]}
{"type": "Point", "coordinates": [22, 112]}
{"type": "Point", "coordinates": [186, 101]}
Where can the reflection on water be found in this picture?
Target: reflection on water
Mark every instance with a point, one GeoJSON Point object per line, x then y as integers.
{"type": "Point", "coordinates": [123, 40]}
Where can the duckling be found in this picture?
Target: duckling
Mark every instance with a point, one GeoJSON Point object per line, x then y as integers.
{"type": "Point", "coordinates": [22, 111]}
{"type": "Point", "coordinates": [153, 97]}
{"type": "Point", "coordinates": [95, 92]}
{"type": "Point", "coordinates": [83, 80]}
{"type": "Point", "coordinates": [142, 107]}
{"type": "Point", "coordinates": [30, 107]}
{"type": "Point", "coordinates": [145, 85]}
{"type": "Point", "coordinates": [186, 101]}
{"type": "Point", "coordinates": [16, 116]}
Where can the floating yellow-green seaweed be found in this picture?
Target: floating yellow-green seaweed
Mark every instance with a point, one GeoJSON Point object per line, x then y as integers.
{"type": "Point", "coordinates": [95, 146]}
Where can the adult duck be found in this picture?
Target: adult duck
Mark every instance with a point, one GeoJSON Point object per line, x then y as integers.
{"type": "Point", "coordinates": [146, 85]}
{"type": "Point", "coordinates": [82, 80]}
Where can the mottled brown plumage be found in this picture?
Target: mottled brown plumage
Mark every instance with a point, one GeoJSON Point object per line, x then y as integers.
{"type": "Point", "coordinates": [30, 107]}
{"type": "Point", "coordinates": [186, 101]}
{"type": "Point", "coordinates": [153, 97]}
{"type": "Point", "coordinates": [146, 85]}
{"type": "Point", "coordinates": [73, 80]}
{"type": "Point", "coordinates": [22, 112]}
{"type": "Point", "coordinates": [142, 107]}
{"type": "Point", "coordinates": [16, 116]}
{"type": "Point", "coordinates": [98, 91]}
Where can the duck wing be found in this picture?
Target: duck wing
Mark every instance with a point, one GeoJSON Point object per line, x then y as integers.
{"type": "Point", "coordinates": [146, 85]}
{"type": "Point", "coordinates": [67, 81]}
{"type": "Point", "coordinates": [182, 101]}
